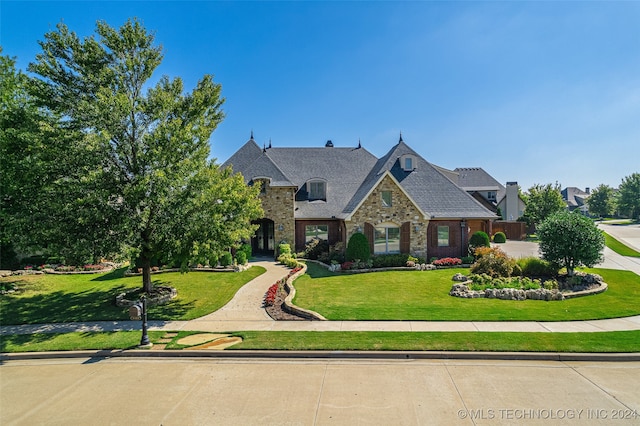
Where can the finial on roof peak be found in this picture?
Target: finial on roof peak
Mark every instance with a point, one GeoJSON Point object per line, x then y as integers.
{"type": "Point", "coordinates": [269, 142]}
{"type": "Point", "coordinates": [264, 147]}
{"type": "Point", "coordinates": [251, 138]}
{"type": "Point", "coordinates": [359, 144]}
{"type": "Point", "coordinates": [400, 137]}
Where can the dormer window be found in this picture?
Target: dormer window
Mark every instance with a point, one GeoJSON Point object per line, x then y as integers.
{"type": "Point", "coordinates": [407, 162]}
{"type": "Point", "coordinates": [317, 190]}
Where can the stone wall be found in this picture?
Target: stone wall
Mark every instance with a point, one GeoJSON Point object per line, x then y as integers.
{"type": "Point", "coordinates": [401, 210]}
{"type": "Point", "coordinates": [278, 205]}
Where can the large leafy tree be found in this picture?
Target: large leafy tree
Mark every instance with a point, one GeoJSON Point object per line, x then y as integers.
{"type": "Point", "coordinates": [629, 196]}
{"type": "Point", "coordinates": [570, 240]}
{"type": "Point", "coordinates": [143, 148]}
{"type": "Point", "coordinates": [601, 202]}
{"type": "Point", "coordinates": [542, 201]}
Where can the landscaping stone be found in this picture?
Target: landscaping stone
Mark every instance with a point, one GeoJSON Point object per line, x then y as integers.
{"type": "Point", "coordinates": [580, 284]}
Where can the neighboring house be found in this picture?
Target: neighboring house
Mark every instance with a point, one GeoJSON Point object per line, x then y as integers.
{"type": "Point", "coordinates": [401, 202]}
{"type": "Point", "coordinates": [576, 199]}
{"type": "Point", "coordinates": [488, 191]}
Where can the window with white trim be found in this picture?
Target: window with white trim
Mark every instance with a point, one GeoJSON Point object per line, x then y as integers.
{"type": "Point", "coordinates": [387, 240]}
{"type": "Point", "coordinates": [317, 190]}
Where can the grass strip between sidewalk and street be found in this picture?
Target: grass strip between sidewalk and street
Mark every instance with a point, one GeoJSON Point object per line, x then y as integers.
{"type": "Point", "coordinates": [599, 342]}
{"type": "Point", "coordinates": [619, 247]}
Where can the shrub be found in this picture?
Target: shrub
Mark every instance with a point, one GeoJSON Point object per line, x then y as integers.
{"type": "Point", "coordinates": [358, 248]}
{"type": "Point", "coordinates": [467, 260]}
{"type": "Point", "coordinates": [499, 237]}
{"type": "Point", "coordinates": [389, 260]}
{"type": "Point", "coordinates": [478, 239]}
{"type": "Point", "coordinates": [493, 262]}
{"type": "Point", "coordinates": [226, 259]}
{"type": "Point", "coordinates": [535, 267]}
{"type": "Point", "coordinates": [241, 257]}
{"type": "Point", "coordinates": [246, 249]}
{"type": "Point", "coordinates": [315, 248]}
{"type": "Point", "coordinates": [284, 248]}
{"type": "Point", "coordinates": [336, 252]}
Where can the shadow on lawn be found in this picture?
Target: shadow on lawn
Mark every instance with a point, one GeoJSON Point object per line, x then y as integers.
{"type": "Point", "coordinates": [84, 306]}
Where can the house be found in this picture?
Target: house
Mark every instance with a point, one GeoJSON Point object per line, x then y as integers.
{"type": "Point", "coordinates": [576, 199]}
{"type": "Point", "coordinates": [401, 202]}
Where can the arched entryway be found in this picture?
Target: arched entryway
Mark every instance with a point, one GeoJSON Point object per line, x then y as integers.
{"type": "Point", "coordinates": [263, 242]}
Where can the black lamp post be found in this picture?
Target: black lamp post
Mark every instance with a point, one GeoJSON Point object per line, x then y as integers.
{"type": "Point", "coordinates": [145, 337]}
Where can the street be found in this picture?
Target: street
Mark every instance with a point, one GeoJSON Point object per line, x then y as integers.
{"type": "Point", "coordinates": [317, 392]}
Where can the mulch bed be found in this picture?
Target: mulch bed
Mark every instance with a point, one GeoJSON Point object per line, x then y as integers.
{"type": "Point", "coordinates": [276, 312]}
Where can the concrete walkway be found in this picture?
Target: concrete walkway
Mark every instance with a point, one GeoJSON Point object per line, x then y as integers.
{"type": "Point", "coordinates": [244, 313]}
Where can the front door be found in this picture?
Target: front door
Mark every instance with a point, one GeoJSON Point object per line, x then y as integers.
{"type": "Point", "coordinates": [263, 242]}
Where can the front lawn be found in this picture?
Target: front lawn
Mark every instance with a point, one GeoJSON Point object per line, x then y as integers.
{"type": "Point", "coordinates": [424, 295]}
{"type": "Point", "coordinates": [71, 298]}
{"type": "Point", "coordinates": [616, 341]}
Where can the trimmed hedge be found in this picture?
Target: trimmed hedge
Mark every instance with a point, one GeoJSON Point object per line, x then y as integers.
{"type": "Point", "coordinates": [499, 237]}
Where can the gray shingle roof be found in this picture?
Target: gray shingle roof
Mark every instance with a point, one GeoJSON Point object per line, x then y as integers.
{"type": "Point", "coordinates": [432, 191]}
{"type": "Point", "coordinates": [477, 179]}
{"type": "Point", "coordinates": [350, 174]}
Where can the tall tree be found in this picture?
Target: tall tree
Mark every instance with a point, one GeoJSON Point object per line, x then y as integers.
{"type": "Point", "coordinates": [629, 196]}
{"type": "Point", "coordinates": [148, 182]}
{"type": "Point", "coordinates": [542, 201]}
{"type": "Point", "coordinates": [570, 240]}
{"type": "Point", "coordinates": [601, 202]}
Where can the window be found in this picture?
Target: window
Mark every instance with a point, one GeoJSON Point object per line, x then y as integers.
{"type": "Point", "coordinates": [320, 232]}
{"type": "Point", "coordinates": [386, 199]}
{"type": "Point", "coordinates": [443, 236]}
{"type": "Point", "coordinates": [491, 196]}
{"type": "Point", "coordinates": [317, 190]}
{"type": "Point", "coordinates": [387, 240]}
{"type": "Point", "coordinates": [408, 163]}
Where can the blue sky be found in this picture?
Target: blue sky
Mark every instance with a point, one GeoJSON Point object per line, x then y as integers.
{"type": "Point", "coordinates": [534, 92]}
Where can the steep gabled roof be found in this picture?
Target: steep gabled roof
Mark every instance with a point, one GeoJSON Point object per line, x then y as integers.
{"type": "Point", "coordinates": [343, 170]}
{"type": "Point", "coordinates": [253, 162]}
{"type": "Point", "coordinates": [433, 192]}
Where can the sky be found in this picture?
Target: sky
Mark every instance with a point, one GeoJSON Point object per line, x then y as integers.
{"type": "Point", "coordinates": [533, 92]}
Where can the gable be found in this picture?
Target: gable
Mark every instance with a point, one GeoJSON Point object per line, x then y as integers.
{"type": "Point", "coordinates": [375, 208]}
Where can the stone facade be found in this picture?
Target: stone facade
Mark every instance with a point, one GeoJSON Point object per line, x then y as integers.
{"type": "Point", "coordinates": [278, 206]}
{"type": "Point", "coordinates": [402, 210]}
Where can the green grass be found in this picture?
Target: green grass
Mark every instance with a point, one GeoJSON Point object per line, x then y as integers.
{"type": "Point", "coordinates": [424, 295]}
{"type": "Point", "coordinates": [41, 342]}
{"type": "Point", "coordinates": [69, 298]}
{"type": "Point", "coordinates": [617, 341]}
{"type": "Point", "coordinates": [619, 247]}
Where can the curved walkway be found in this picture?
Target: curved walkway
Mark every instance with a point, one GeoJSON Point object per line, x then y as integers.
{"type": "Point", "coordinates": [244, 313]}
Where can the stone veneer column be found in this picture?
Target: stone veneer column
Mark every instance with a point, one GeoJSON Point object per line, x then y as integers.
{"type": "Point", "coordinates": [278, 205]}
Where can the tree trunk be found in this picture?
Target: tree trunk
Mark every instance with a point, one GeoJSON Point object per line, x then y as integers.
{"type": "Point", "coordinates": [146, 275]}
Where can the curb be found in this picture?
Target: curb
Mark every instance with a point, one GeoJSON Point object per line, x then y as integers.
{"type": "Point", "coordinates": [380, 355]}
